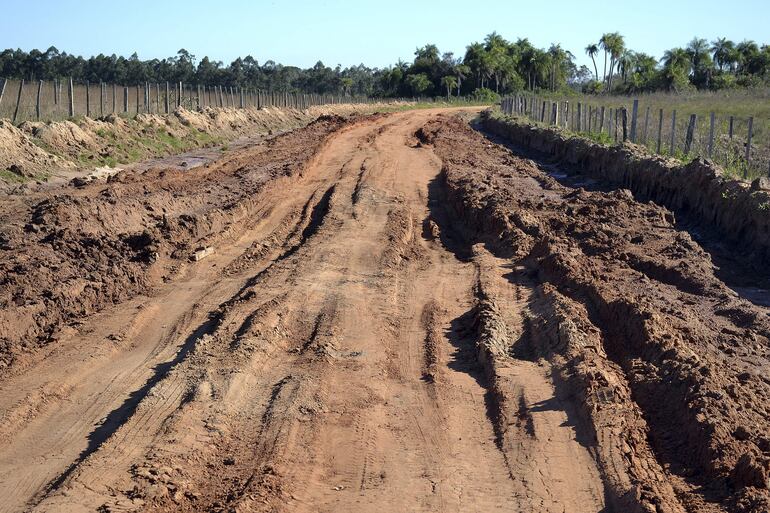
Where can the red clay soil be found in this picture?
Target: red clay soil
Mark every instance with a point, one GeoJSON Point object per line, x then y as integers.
{"type": "Point", "coordinates": [669, 365]}
{"type": "Point", "coordinates": [397, 315]}
{"type": "Point", "coordinates": [66, 254]}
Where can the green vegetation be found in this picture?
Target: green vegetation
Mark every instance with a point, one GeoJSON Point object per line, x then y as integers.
{"type": "Point", "coordinates": [495, 63]}
{"type": "Point", "coordinates": [10, 177]}
{"type": "Point", "coordinates": [150, 142]}
{"type": "Point", "coordinates": [721, 64]}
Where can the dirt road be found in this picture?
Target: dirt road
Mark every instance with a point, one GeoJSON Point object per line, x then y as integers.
{"type": "Point", "coordinates": [356, 343]}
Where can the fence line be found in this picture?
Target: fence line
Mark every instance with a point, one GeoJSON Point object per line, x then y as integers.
{"type": "Point", "coordinates": [685, 136]}
{"type": "Point", "coordinates": [42, 101]}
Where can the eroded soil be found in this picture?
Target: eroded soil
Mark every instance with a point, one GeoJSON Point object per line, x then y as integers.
{"type": "Point", "coordinates": [397, 315]}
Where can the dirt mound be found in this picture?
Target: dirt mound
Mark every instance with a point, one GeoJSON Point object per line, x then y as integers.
{"type": "Point", "coordinates": [652, 343]}
{"type": "Point", "coordinates": [20, 156]}
{"type": "Point", "coordinates": [64, 137]}
{"type": "Point", "coordinates": [65, 255]}
{"type": "Point", "coordinates": [698, 189]}
{"type": "Point", "coordinates": [41, 150]}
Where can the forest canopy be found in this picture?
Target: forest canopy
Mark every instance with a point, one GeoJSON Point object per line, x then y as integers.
{"type": "Point", "coordinates": [492, 66]}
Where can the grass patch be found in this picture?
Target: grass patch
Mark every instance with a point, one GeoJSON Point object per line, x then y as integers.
{"type": "Point", "coordinates": [10, 177]}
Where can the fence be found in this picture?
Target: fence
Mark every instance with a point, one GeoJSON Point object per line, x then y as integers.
{"type": "Point", "coordinates": [740, 144]}
{"type": "Point", "coordinates": [61, 99]}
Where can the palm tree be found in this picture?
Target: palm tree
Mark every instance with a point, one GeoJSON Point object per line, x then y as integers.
{"type": "Point", "coordinates": [677, 58]}
{"type": "Point", "coordinates": [676, 67]}
{"type": "Point", "coordinates": [475, 57]}
{"type": "Point", "coordinates": [626, 63]}
{"type": "Point", "coordinates": [557, 58]}
{"type": "Point", "coordinates": [604, 43]}
{"type": "Point", "coordinates": [698, 49]}
{"type": "Point", "coordinates": [591, 51]}
{"type": "Point", "coordinates": [449, 82]}
{"type": "Point", "coordinates": [615, 45]}
{"type": "Point", "coordinates": [721, 50]}
{"type": "Point", "coordinates": [462, 71]}
{"type": "Point", "coordinates": [746, 51]}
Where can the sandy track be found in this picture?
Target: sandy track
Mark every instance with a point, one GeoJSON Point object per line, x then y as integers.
{"type": "Point", "coordinates": [355, 346]}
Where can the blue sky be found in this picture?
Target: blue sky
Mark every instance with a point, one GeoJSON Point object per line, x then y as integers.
{"type": "Point", "coordinates": [302, 32]}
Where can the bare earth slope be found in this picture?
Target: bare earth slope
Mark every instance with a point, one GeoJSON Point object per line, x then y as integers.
{"type": "Point", "coordinates": [397, 316]}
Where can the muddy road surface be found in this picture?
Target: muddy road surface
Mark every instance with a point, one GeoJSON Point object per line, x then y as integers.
{"type": "Point", "coordinates": [389, 313]}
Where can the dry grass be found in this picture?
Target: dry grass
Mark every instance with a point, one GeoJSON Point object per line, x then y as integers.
{"type": "Point", "coordinates": [727, 151]}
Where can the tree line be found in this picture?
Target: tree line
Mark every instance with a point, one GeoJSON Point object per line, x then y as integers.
{"type": "Point", "coordinates": [490, 67]}
{"type": "Point", "coordinates": [720, 64]}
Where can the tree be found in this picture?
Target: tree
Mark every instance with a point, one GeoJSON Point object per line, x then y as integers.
{"type": "Point", "coordinates": [698, 50]}
{"type": "Point", "coordinates": [449, 82]}
{"type": "Point", "coordinates": [461, 71]}
{"type": "Point", "coordinates": [604, 43]}
{"type": "Point", "coordinates": [591, 51]}
{"type": "Point", "coordinates": [418, 83]}
{"type": "Point", "coordinates": [347, 83]}
{"type": "Point", "coordinates": [723, 51]}
{"type": "Point", "coordinates": [614, 45]}
{"type": "Point", "coordinates": [626, 63]}
{"type": "Point", "coordinates": [676, 69]}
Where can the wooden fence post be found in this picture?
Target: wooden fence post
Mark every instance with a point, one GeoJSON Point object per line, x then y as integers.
{"type": "Point", "coordinates": [55, 91]}
{"type": "Point", "coordinates": [554, 113]}
{"type": "Point", "coordinates": [579, 116]}
{"type": "Point", "coordinates": [167, 93]}
{"type": "Point", "coordinates": [601, 120]}
{"type": "Point", "coordinates": [157, 98]}
{"type": "Point", "coordinates": [125, 99]}
{"type": "Point", "coordinates": [137, 99]}
{"type": "Point", "coordinates": [37, 101]}
{"type": "Point", "coordinates": [2, 90]}
{"type": "Point", "coordinates": [18, 101]}
{"type": "Point", "coordinates": [690, 134]}
{"type": "Point", "coordinates": [660, 131]}
{"type": "Point", "coordinates": [88, 99]}
{"type": "Point", "coordinates": [712, 123]}
{"type": "Point", "coordinates": [624, 119]}
{"type": "Point", "coordinates": [71, 93]}
{"type": "Point", "coordinates": [114, 97]}
{"type": "Point", "coordinates": [748, 140]}
{"type": "Point", "coordinates": [673, 133]}
{"type": "Point", "coordinates": [730, 131]}
{"type": "Point", "coordinates": [179, 96]}
{"type": "Point", "coordinates": [646, 124]}
{"type": "Point", "coordinates": [634, 117]}
{"type": "Point", "coordinates": [101, 99]}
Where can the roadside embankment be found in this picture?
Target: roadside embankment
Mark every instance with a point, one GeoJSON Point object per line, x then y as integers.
{"type": "Point", "coordinates": [737, 210]}
{"type": "Point", "coordinates": [38, 152]}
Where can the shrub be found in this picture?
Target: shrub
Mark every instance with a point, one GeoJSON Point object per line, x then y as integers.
{"type": "Point", "coordinates": [485, 95]}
